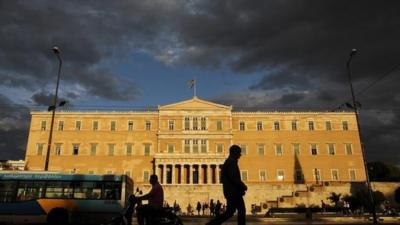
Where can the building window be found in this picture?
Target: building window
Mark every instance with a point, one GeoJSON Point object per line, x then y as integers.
{"type": "Point", "coordinates": [280, 175]}
{"type": "Point", "coordinates": [276, 125]}
{"type": "Point", "coordinates": [90, 172]}
{"type": "Point", "coordinates": [147, 149]}
{"type": "Point", "coordinates": [129, 149]}
{"type": "Point", "coordinates": [219, 125]}
{"type": "Point", "coordinates": [317, 175]}
{"type": "Point", "coordinates": [263, 175]}
{"type": "Point", "coordinates": [244, 149]}
{"type": "Point", "coordinates": [243, 174]}
{"type": "Point", "coordinates": [171, 125]}
{"type": "Point", "coordinates": [195, 123]}
{"type": "Point", "coordinates": [148, 125]}
{"type": "Point", "coordinates": [93, 149]}
{"type": "Point", "coordinates": [95, 125]}
{"type": "Point", "coordinates": [111, 148]}
{"type": "Point", "coordinates": [352, 174]}
{"type": "Point", "coordinates": [335, 174]}
{"type": "Point", "coordinates": [220, 148]}
{"type": "Point", "coordinates": [294, 125]}
{"type": "Point", "coordinates": [170, 148]}
{"type": "Point", "coordinates": [203, 143]}
{"type": "Point", "coordinates": [310, 125]}
{"type": "Point", "coordinates": [112, 125]}
{"type": "Point", "coordinates": [345, 125]}
{"type": "Point", "coordinates": [195, 146]}
{"type": "Point", "coordinates": [43, 125]}
{"type": "Point", "coordinates": [299, 176]}
{"type": "Point", "coordinates": [242, 125]}
{"type": "Point", "coordinates": [261, 149]}
{"type": "Point", "coordinates": [313, 148]}
{"type": "Point", "coordinates": [278, 150]}
{"type": "Point", "coordinates": [75, 149]}
{"type": "Point", "coordinates": [78, 125]}
{"type": "Point", "coordinates": [146, 175]}
{"type": "Point", "coordinates": [39, 149]}
{"type": "Point", "coordinates": [328, 125]}
{"type": "Point", "coordinates": [259, 125]}
{"type": "Point", "coordinates": [60, 125]}
{"type": "Point", "coordinates": [187, 123]}
{"type": "Point", "coordinates": [349, 149]}
{"type": "Point", "coordinates": [203, 123]}
{"type": "Point", "coordinates": [58, 148]}
{"type": "Point", "coordinates": [130, 125]}
{"type": "Point", "coordinates": [296, 148]}
{"type": "Point", "coordinates": [331, 149]}
{"type": "Point", "coordinates": [187, 146]}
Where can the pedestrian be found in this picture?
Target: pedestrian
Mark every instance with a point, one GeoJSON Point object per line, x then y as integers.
{"type": "Point", "coordinates": [212, 207]}
{"type": "Point", "coordinates": [189, 210]}
{"type": "Point", "coordinates": [323, 206]}
{"type": "Point", "coordinates": [234, 189]}
{"type": "Point", "coordinates": [217, 210]}
{"type": "Point", "coordinates": [203, 207]}
{"type": "Point", "coordinates": [198, 207]}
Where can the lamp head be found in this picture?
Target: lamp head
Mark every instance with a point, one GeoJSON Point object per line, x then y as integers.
{"type": "Point", "coordinates": [56, 50]}
{"type": "Point", "coordinates": [353, 52]}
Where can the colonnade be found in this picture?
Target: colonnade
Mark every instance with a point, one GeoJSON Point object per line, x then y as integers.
{"type": "Point", "coordinates": [188, 173]}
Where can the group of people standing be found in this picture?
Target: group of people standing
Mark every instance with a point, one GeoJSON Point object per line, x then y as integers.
{"type": "Point", "coordinates": [212, 208]}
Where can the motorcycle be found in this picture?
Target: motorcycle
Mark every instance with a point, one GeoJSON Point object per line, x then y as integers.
{"type": "Point", "coordinates": [163, 216]}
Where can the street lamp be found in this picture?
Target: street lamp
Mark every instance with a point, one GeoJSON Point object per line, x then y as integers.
{"type": "Point", "coordinates": [53, 107]}
{"type": "Point", "coordinates": [354, 106]}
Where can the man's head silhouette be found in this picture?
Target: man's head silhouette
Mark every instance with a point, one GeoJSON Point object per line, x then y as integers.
{"type": "Point", "coordinates": [235, 151]}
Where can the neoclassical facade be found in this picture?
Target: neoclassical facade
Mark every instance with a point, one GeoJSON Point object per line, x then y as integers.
{"type": "Point", "coordinates": [186, 143]}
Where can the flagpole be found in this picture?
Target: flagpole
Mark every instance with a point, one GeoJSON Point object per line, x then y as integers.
{"type": "Point", "coordinates": [194, 88]}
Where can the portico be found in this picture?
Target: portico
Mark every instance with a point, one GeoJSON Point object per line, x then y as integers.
{"type": "Point", "coordinates": [188, 169]}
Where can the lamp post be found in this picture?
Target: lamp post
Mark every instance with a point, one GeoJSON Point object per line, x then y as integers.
{"type": "Point", "coordinates": [355, 108]}
{"type": "Point", "coordinates": [57, 52]}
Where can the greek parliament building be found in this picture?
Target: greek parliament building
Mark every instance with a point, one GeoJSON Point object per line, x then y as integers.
{"type": "Point", "coordinates": [286, 156]}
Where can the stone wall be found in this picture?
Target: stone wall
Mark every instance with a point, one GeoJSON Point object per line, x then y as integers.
{"type": "Point", "coordinates": [271, 195]}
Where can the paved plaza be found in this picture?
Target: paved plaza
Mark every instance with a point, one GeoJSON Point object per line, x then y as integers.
{"type": "Point", "coordinates": [292, 220]}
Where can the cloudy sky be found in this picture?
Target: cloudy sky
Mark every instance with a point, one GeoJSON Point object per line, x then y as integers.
{"type": "Point", "coordinates": [251, 54]}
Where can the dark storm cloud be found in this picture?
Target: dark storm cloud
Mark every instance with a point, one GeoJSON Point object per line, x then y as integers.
{"type": "Point", "coordinates": [44, 98]}
{"type": "Point", "coordinates": [13, 129]}
{"type": "Point", "coordinates": [301, 47]}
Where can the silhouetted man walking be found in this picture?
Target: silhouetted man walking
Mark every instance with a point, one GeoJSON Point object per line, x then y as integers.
{"type": "Point", "coordinates": [233, 188]}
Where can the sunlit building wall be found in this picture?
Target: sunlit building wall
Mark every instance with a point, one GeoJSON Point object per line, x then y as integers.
{"type": "Point", "coordinates": [185, 143]}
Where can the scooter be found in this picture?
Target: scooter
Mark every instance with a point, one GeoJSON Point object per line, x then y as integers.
{"type": "Point", "coordinates": [164, 216]}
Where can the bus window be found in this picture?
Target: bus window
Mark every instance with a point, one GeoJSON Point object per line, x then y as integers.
{"type": "Point", "coordinates": [29, 190]}
{"type": "Point", "coordinates": [7, 190]}
{"type": "Point", "coordinates": [112, 190]}
{"type": "Point", "coordinates": [87, 190]}
{"type": "Point", "coordinates": [59, 189]}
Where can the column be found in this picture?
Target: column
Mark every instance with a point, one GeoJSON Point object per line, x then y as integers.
{"type": "Point", "coordinates": [209, 171]}
{"type": "Point", "coordinates": [180, 178]}
{"type": "Point", "coordinates": [164, 174]}
{"type": "Point", "coordinates": [173, 174]}
{"type": "Point", "coordinates": [190, 171]}
{"type": "Point", "coordinates": [217, 172]}
{"type": "Point", "coordinates": [200, 177]}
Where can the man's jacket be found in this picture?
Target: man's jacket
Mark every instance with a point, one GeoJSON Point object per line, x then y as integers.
{"type": "Point", "coordinates": [230, 178]}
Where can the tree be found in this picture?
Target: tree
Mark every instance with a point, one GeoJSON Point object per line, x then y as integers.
{"type": "Point", "coordinates": [382, 171]}
{"type": "Point", "coordinates": [334, 198]}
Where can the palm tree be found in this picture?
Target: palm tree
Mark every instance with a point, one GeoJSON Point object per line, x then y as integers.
{"type": "Point", "coordinates": [334, 198]}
